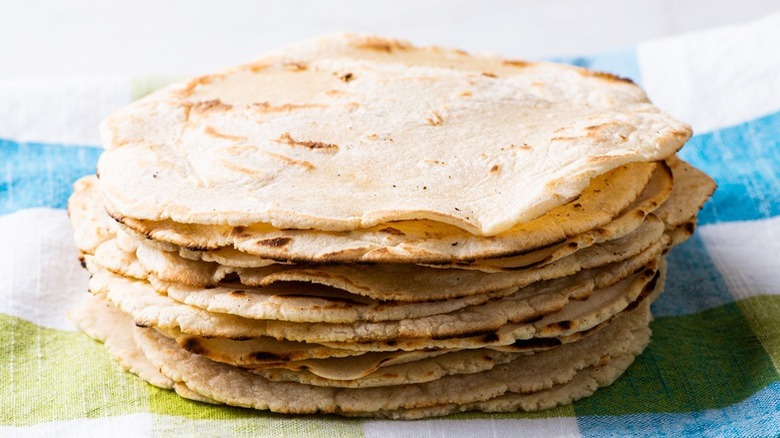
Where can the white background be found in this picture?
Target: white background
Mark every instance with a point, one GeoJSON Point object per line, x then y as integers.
{"type": "Point", "coordinates": [82, 37]}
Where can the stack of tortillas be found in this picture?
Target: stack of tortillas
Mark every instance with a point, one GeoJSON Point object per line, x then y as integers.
{"type": "Point", "coordinates": [357, 226]}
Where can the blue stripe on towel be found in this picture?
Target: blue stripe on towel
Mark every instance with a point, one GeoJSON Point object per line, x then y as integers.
{"type": "Point", "coordinates": [745, 161]}
{"type": "Point", "coordinates": [693, 283]}
{"type": "Point", "coordinates": [41, 175]}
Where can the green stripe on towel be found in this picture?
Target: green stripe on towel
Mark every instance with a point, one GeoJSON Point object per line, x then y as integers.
{"type": "Point", "coordinates": [707, 360]}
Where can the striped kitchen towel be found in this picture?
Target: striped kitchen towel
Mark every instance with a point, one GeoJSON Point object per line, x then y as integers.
{"type": "Point", "coordinates": [712, 368]}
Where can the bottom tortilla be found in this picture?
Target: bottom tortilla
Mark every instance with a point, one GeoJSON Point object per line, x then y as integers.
{"type": "Point", "coordinates": [540, 381]}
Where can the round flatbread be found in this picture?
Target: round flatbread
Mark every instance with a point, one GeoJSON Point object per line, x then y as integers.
{"type": "Point", "coordinates": [331, 135]}
{"type": "Point", "coordinates": [148, 308]}
{"type": "Point", "coordinates": [526, 374]}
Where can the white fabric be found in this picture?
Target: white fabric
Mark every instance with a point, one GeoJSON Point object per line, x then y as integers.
{"type": "Point", "coordinates": [61, 110]}
{"type": "Point", "coordinates": [553, 427]}
{"type": "Point", "coordinates": [155, 425]}
{"type": "Point", "coordinates": [746, 254]}
{"type": "Point", "coordinates": [709, 79]}
{"type": "Point", "coordinates": [127, 426]}
{"type": "Point", "coordinates": [40, 276]}
{"type": "Point", "coordinates": [54, 37]}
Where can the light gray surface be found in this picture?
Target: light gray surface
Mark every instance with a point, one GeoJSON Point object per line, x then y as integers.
{"type": "Point", "coordinates": [81, 37]}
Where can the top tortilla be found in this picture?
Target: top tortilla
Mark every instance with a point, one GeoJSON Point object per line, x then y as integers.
{"type": "Point", "coordinates": [347, 132]}
{"type": "Point", "coordinates": [411, 241]}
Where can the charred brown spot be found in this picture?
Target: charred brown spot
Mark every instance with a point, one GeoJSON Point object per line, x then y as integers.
{"type": "Point", "coordinates": [534, 343]}
{"type": "Point", "coordinates": [232, 278]}
{"type": "Point", "coordinates": [489, 74]}
{"type": "Point", "coordinates": [264, 356]}
{"type": "Point", "coordinates": [296, 66]}
{"type": "Point", "coordinates": [542, 262]}
{"type": "Point", "coordinates": [115, 216]}
{"type": "Point", "coordinates": [256, 68]}
{"type": "Point", "coordinates": [690, 227]}
{"type": "Point", "coordinates": [193, 346]}
{"type": "Point", "coordinates": [238, 293]}
{"type": "Point", "coordinates": [83, 262]}
{"type": "Point", "coordinates": [287, 139]}
{"type": "Point", "coordinates": [605, 76]}
{"type": "Point", "coordinates": [435, 119]}
{"type": "Point", "coordinates": [341, 256]}
{"type": "Point", "coordinates": [471, 334]}
{"type": "Point", "coordinates": [528, 319]}
{"type": "Point", "coordinates": [194, 83]}
{"type": "Point", "coordinates": [346, 77]}
{"type": "Point", "coordinates": [495, 169]}
{"type": "Point", "coordinates": [597, 128]}
{"type": "Point", "coordinates": [490, 338]}
{"type": "Point", "coordinates": [240, 338]}
{"type": "Point", "coordinates": [141, 324]}
{"type": "Point", "coordinates": [463, 262]}
{"type": "Point", "coordinates": [393, 231]}
{"type": "Point", "coordinates": [488, 358]}
{"type": "Point", "coordinates": [573, 245]}
{"type": "Point", "coordinates": [599, 158]}
{"type": "Point", "coordinates": [382, 44]}
{"type": "Point", "coordinates": [210, 131]}
{"type": "Point", "coordinates": [267, 107]}
{"type": "Point", "coordinates": [391, 342]}
{"type": "Point", "coordinates": [209, 105]}
{"type": "Point", "coordinates": [466, 93]}
{"type": "Point", "coordinates": [276, 242]}
{"type": "Point", "coordinates": [563, 325]}
{"type": "Point", "coordinates": [210, 286]}
{"type": "Point", "coordinates": [196, 248]}
{"type": "Point", "coordinates": [517, 63]}
{"type": "Point", "coordinates": [305, 164]}
{"type": "Point", "coordinates": [647, 290]}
